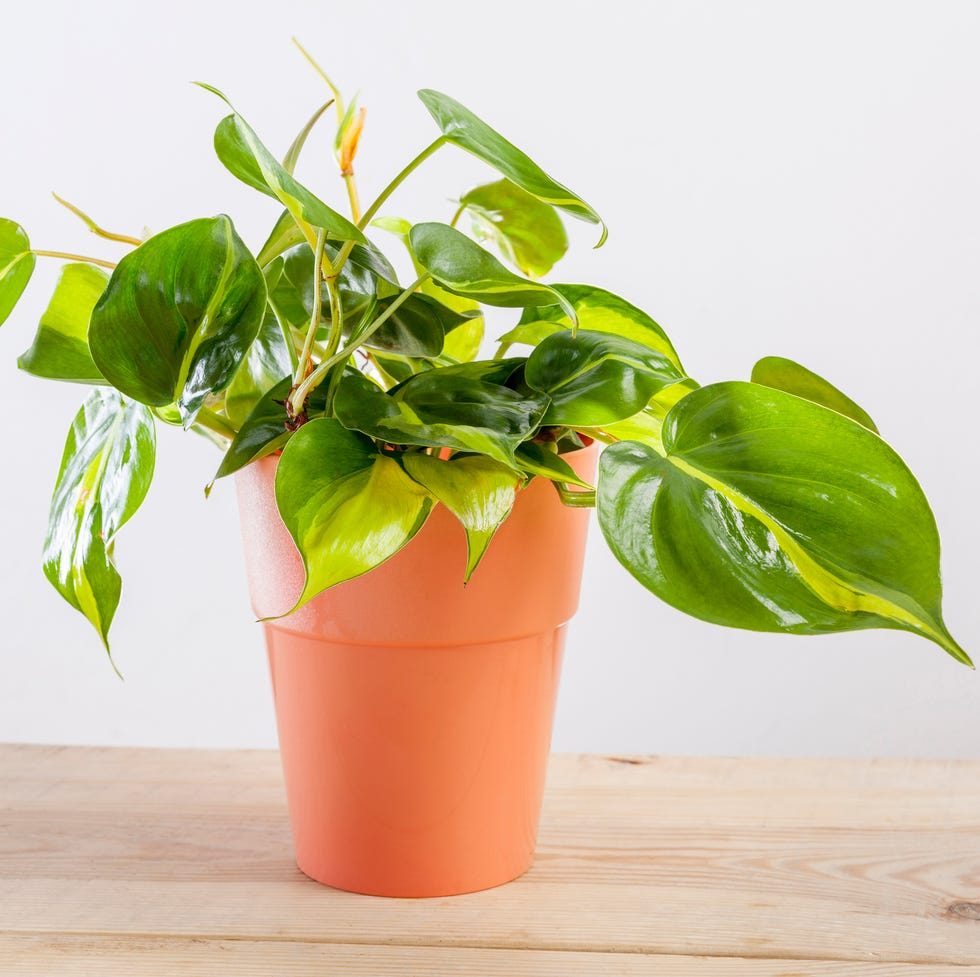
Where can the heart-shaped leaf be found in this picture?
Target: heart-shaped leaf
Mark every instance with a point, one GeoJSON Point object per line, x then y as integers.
{"type": "Point", "coordinates": [105, 473]}
{"type": "Point", "coordinates": [768, 512]}
{"type": "Point", "coordinates": [16, 265]}
{"type": "Point", "coordinates": [261, 433]}
{"type": "Point", "coordinates": [462, 128]}
{"type": "Point", "coordinates": [443, 408]}
{"type": "Point", "coordinates": [462, 266]}
{"type": "Point", "coordinates": [596, 378]}
{"type": "Point", "coordinates": [598, 311]}
{"type": "Point", "coordinates": [347, 506]}
{"type": "Point", "coordinates": [528, 232]}
{"type": "Point", "coordinates": [178, 315]}
{"type": "Point", "coordinates": [478, 491]}
{"type": "Point", "coordinates": [60, 348]}
{"type": "Point", "coordinates": [783, 374]}
{"type": "Point", "coordinates": [244, 156]}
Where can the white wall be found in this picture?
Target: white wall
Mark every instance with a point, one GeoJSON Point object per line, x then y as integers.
{"type": "Point", "coordinates": [799, 179]}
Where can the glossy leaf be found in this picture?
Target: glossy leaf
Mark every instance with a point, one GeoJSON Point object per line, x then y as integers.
{"type": "Point", "coordinates": [462, 128]}
{"type": "Point", "coordinates": [416, 328]}
{"type": "Point", "coordinates": [462, 266]}
{"type": "Point", "coordinates": [442, 408]}
{"type": "Point", "coordinates": [16, 265]}
{"type": "Point", "coordinates": [478, 491]}
{"type": "Point", "coordinates": [596, 378]}
{"type": "Point", "coordinates": [60, 348]}
{"type": "Point", "coordinates": [178, 315]}
{"type": "Point", "coordinates": [261, 433]}
{"type": "Point", "coordinates": [540, 459]}
{"type": "Point", "coordinates": [597, 311]}
{"type": "Point", "coordinates": [768, 512]}
{"type": "Point", "coordinates": [244, 156]}
{"type": "Point", "coordinates": [265, 363]}
{"type": "Point", "coordinates": [528, 232]}
{"type": "Point", "coordinates": [347, 506]}
{"type": "Point", "coordinates": [105, 473]}
{"type": "Point", "coordinates": [783, 374]}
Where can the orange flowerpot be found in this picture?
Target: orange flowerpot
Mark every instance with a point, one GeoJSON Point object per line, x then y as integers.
{"type": "Point", "coordinates": [415, 713]}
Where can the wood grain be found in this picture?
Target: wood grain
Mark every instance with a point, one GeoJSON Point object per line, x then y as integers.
{"type": "Point", "coordinates": [645, 865]}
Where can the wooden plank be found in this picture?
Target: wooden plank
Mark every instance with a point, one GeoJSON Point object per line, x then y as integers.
{"type": "Point", "coordinates": [782, 859]}
{"type": "Point", "coordinates": [34, 956]}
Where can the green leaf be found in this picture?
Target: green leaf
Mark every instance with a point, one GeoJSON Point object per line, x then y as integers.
{"type": "Point", "coordinates": [768, 512]}
{"type": "Point", "coordinates": [291, 158]}
{"type": "Point", "coordinates": [462, 266]}
{"type": "Point", "coordinates": [347, 506]}
{"type": "Point", "coordinates": [528, 232]}
{"type": "Point", "coordinates": [265, 363]}
{"type": "Point", "coordinates": [244, 156]}
{"type": "Point", "coordinates": [478, 491]}
{"type": "Point", "coordinates": [60, 348]}
{"type": "Point", "coordinates": [539, 459]}
{"type": "Point", "coordinates": [596, 378]}
{"type": "Point", "coordinates": [443, 408]}
{"type": "Point", "coordinates": [416, 328]}
{"type": "Point", "coordinates": [261, 433]}
{"type": "Point", "coordinates": [462, 128]}
{"type": "Point", "coordinates": [16, 265]}
{"type": "Point", "coordinates": [178, 316]}
{"type": "Point", "coordinates": [105, 473]}
{"type": "Point", "coordinates": [783, 374]}
{"type": "Point", "coordinates": [597, 311]}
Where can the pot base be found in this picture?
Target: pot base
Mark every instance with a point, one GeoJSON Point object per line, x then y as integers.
{"type": "Point", "coordinates": [414, 771]}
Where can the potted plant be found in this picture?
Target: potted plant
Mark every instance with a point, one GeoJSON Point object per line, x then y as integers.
{"type": "Point", "coordinates": [414, 511]}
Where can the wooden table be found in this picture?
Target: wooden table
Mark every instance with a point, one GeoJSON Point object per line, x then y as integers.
{"type": "Point", "coordinates": [177, 862]}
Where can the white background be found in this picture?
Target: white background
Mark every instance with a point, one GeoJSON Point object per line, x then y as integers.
{"type": "Point", "coordinates": [797, 179]}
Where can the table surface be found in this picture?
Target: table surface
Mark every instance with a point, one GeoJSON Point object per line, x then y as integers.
{"type": "Point", "coordinates": [163, 862]}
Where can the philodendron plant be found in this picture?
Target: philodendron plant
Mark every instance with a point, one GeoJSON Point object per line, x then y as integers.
{"type": "Point", "coordinates": [770, 504]}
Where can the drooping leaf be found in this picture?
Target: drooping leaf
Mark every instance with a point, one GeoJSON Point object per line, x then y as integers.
{"type": "Point", "coordinates": [596, 378]}
{"type": "Point", "coordinates": [462, 128]}
{"type": "Point", "coordinates": [768, 512]}
{"type": "Point", "coordinates": [783, 374]}
{"type": "Point", "coordinates": [347, 506]}
{"type": "Point", "coordinates": [478, 491]}
{"type": "Point", "coordinates": [540, 459]}
{"type": "Point", "coordinates": [16, 265]}
{"type": "Point", "coordinates": [440, 408]}
{"type": "Point", "coordinates": [60, 348]}
{"type": "Point", "coordinates": [105, 473]}
{"type": "Point", "coordinates": [462, 266]}
{"type": "Point", "coordinates": [178, 315]}
{"type": "Point", "coordinates": [265, 363]}
{"type": "Point", "coordinates": [597, 311]}
{"type": "Point", "coordinates": [244, 156]}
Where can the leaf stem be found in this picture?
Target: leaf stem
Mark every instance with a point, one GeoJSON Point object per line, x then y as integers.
{"type": "Point", "coordinates": [299, 395]}
{"type": "Point", "coordinates": [575, 500]}
{"type": "Point", "coordinates": [73, 257]}
{"type": "Point", "coordinates": [457, 215]}
{"type": "Point", "coordinates": [207, 418]}
{"type": "Point", "coordinates": [93, 227]}
{"type": "Point", "coordinates": [398, 180]}
{"type": "Point", "coordinates": [305, 362]}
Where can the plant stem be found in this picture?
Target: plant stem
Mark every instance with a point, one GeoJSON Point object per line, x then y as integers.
{"type": "Point", "coordinates": [299, 395]}
{"type": "Point", "coordinates": [73, 257]}
{"type": "Point", "coordinates": [398, 180]}
{"type": "Point", "coordinates": [207, 418]}
{"type": "Point", "coordinates": [457, 215]}
{"type": "Point", "coordinates": [93, 227]}
{"type": "Point", "coordinates": [575, 500]}
{"type": "Point", "coordinates": [304, 364]}
{"type": "Point", "coordinates": [355, 203]}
